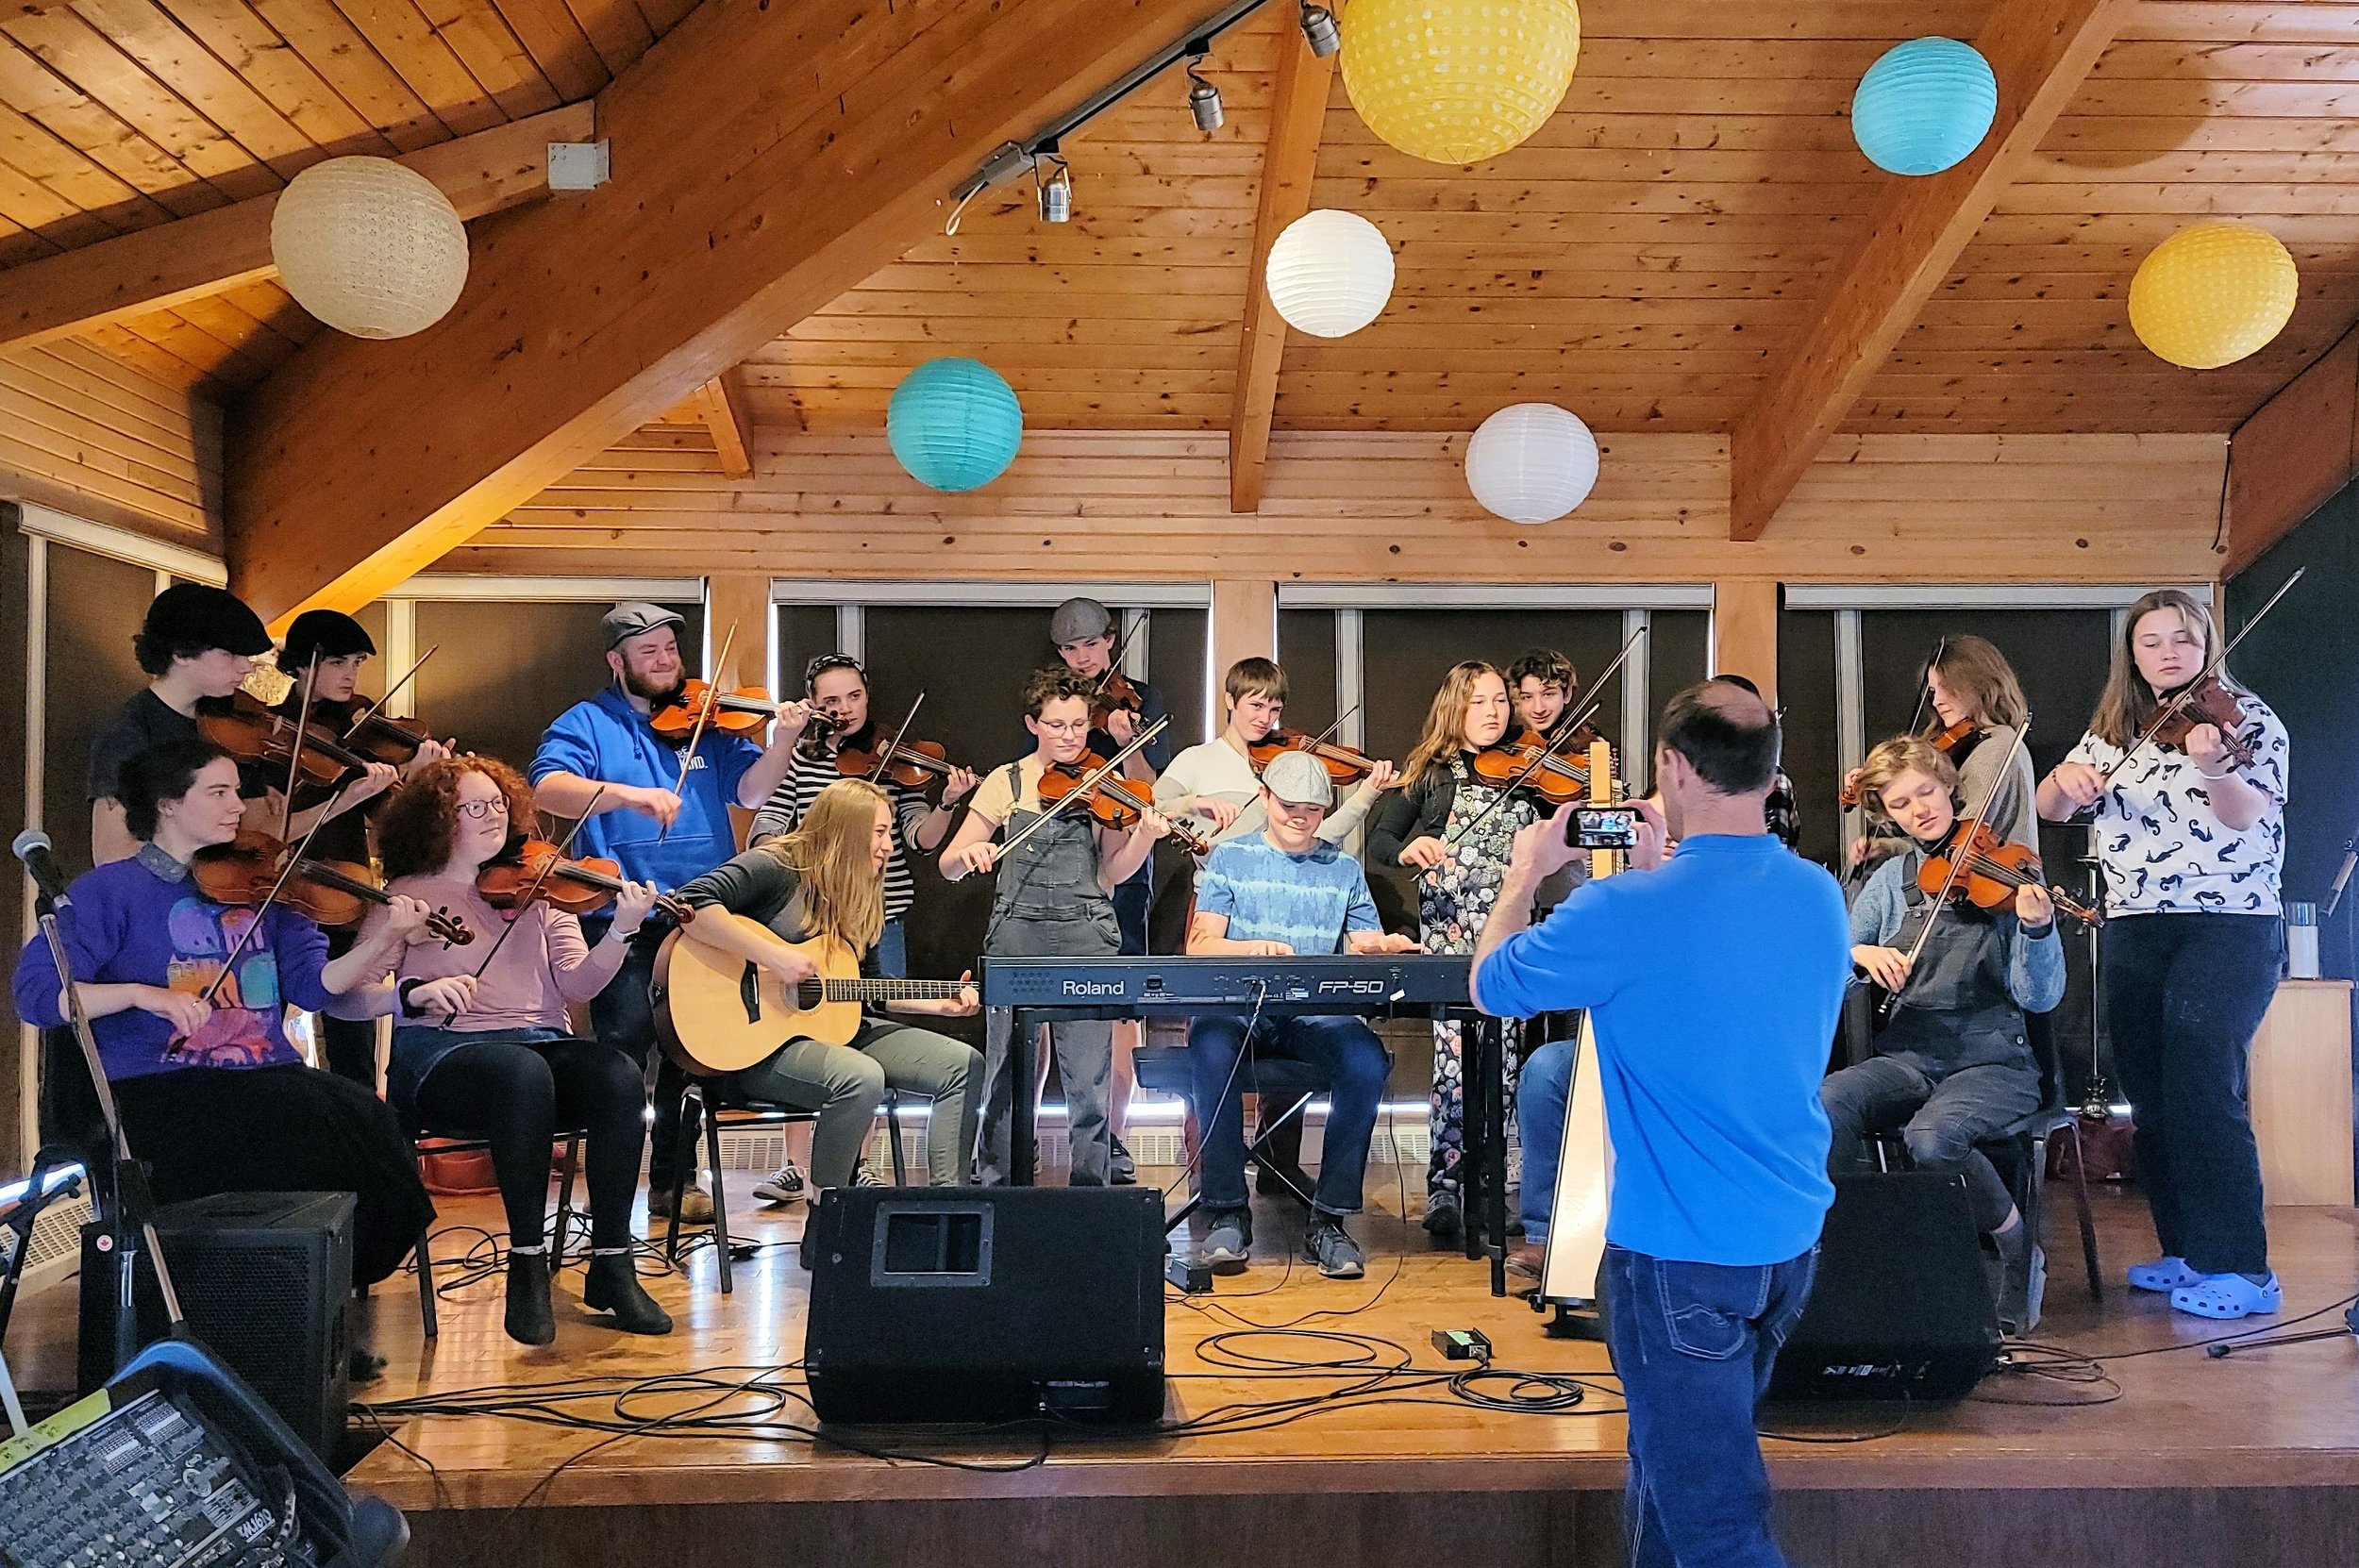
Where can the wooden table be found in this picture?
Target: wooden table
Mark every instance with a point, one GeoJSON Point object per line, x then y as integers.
{"type": "Point", "coordinates": [2301, 1094]}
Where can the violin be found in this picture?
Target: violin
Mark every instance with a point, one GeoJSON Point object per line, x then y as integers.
{"type": "Point", "coordinates": [1956, 741]}
{"type": "Point", "coordinates": [2205, 702]}
{"type": "Point", "coordinates": [1527, 761]}
{"type": "Point", "coordinates": [333, 894]}
{"type": "Point", "coordinates": [915, 764]}
{"type": "Point", "coordinates": [535, 869]}
{"type": "Point", "coordinates": [1991, 871]}
{"type": "Point", "coordinates": [252, 731]}
{"type": "Point", "coordinates": [383, 740]}
{"type": "Point", "coordinates": [1114, 800]}
{"type": "Point", "coordinates": [1343, 765]}
{"type": "Point", "coordinates": [744, 712]}
{"type": "Point", "coordinates": [1115, 695]}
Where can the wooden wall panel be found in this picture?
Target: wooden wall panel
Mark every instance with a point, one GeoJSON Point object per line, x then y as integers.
{"type": "Point", "coordinates": [1379, 507]}
{"type": "Point", "coordinates": [90, 435]}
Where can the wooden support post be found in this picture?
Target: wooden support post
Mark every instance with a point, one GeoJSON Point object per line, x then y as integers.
{"type": "Point", "coordinates": [741, 599]}
{"type": "Point", "coordinates": [1745, 632]}
{"type": "Point", "coordinates": [1244, 622]}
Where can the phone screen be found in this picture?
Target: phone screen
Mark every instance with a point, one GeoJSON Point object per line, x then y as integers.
{"type": "Point", "coordinates": [1602, 827]}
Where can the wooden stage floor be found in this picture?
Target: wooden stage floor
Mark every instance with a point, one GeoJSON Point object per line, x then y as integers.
{"type": "Point", "coordinates": [2252, 1459]}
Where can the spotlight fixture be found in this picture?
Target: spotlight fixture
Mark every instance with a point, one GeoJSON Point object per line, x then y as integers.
{"type": "Point", "coordinates": [1203, 97]}
{"type": "Point", "coordinates": [1056, 190]}
{"type": "Point", "coordinates": [1319, 30]}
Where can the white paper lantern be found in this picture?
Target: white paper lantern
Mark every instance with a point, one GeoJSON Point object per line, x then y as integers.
{"type": "Point", "coordinates": [369, 247]}
{"type": "Point", "coordinates": [1330, 272]}
{"type": "Point", "coordinates": [1531, 462]}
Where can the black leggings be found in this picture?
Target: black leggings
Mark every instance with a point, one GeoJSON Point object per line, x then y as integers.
{"type": "Point", "coordinates": [518, 1095]}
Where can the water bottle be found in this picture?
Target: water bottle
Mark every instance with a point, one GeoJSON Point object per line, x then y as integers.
{"type": "Point", "coordinates": [2301, 942]}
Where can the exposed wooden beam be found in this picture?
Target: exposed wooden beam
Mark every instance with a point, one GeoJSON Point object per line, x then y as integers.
{"type": "Point", "coordinates": [768, 159]}
{"type": "Point", "coordinates": [720, 407]}
{"type": "Point", "coordinates": [2296, 451]}
{"type": "Point", "coordinates": [1745, 632]}
{"type": "Point", "coordinates": [153, 269]}
{"type": "Point", "coordinates": [2039, 50]}
{"type": "Point", "coordinates": [1297, 114]}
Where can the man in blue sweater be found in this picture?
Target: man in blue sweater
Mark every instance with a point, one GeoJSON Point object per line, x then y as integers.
{"type": "Point", "coordinates": [1714, 980]}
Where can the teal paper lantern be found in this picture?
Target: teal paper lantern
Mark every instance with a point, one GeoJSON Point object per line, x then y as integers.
{"type": "Point", "coordinates": [954, 424]}
{"type": "Point", "coordinates": [1924, 105]}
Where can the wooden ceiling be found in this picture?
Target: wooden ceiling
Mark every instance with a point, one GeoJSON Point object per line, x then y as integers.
{"type": "Point", "coordinates": [1641, 260]}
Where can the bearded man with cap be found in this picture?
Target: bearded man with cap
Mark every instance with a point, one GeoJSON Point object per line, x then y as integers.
{"type": "Point", "coordinates": [1082, 631]}
{"type": "Point", "coordinates": [196, 645]}
{"type": "Point", "coordinates": [604, 758]}
{"type": "Point", "coordinates": [1278, 893]}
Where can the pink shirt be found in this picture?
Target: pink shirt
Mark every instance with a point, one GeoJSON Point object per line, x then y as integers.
{"type": "Point", "coordinates": [545, 964]}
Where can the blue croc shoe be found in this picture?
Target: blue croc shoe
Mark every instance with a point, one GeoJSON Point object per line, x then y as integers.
{"type": "Point", "coordinates": [2163, 1275]}
{"type": "Point", "coordinates": [2228, 1295]}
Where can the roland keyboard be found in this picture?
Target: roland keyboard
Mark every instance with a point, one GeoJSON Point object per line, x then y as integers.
{"type": "Point", "coordinates": [1371, 985]}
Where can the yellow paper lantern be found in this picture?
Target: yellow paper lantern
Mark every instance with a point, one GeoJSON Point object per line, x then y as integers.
{"type": "Point", "coordinates": [2209, 295]}
{"type": "Point", "coordinates": [1459, 81]}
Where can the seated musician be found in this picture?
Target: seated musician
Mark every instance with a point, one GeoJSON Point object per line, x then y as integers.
{"type": "Point", "coordinates": [1278, 892]}
{"type": "Point", "coordinates": [493, 1056]}
{"type": "Point", "coordinates": [1215, 780]}
{"type": "Point", "coordinates": [1952, 1067]}
{"type": "Point", "coordinates": [827, 879]}
{"type": "Point", "coordinates": [212, 1096]}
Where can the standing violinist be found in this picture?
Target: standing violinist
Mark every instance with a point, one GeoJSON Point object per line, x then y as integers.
{"type": "Point", "coordinates": [1457, 834]}
{"type": "Point", "coordinates": [327, 649]}
{"type": "Point", "coordinates": [1978, 708]}
{"type": "Point", "coordinates": [1082, 631]}
{"type": "Point", "coordinates": [1217, 780]}
{"type": "Point", "coordinates": [198, 645]}
{"type": "Point", "coordinates": [491, 1055]}
{"type": "Point", "coordinates": [1542, 684]}
{"type": "Point", "coordinates": [2191, 836]}
{"type": "Point", "coordinates": [1054, 900]}
{"type": "Point", "coordinates": [662, 822]}
{"type": "Point", "coordinates": [1954, 1064]}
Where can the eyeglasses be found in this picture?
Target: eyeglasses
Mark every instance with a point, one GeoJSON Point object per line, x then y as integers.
{"type": "Point", "coordinates": [482, 810]}
{"type": "Point", "coordinates": [1062, 726]}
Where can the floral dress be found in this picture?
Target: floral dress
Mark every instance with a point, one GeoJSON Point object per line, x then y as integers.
{"type": "Point", "coordinates": [1454, 901]}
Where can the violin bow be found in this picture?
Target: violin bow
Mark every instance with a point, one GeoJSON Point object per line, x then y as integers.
{"type": "Point", "coordinates": [1089, 781]}
{"type": "Point", "coordinates": [369, 712]}
{"type": "Point", "coordinates": [704, 713]}
{"type": "Point", "coordinates": [526, 902]}
{"type": "Point", "coordinates": [884, 753]}
{"type": "Point", "coordinates": [1925, 685]}
{"type": "Point", "coordinates": [1329, 733]}
{"type": "Point", "coordinates": [2179, 699]}
{"type": "Point", "coordinates": [293, 858]}
{"type": "Point", "coordinates": [1565, 730]}
{"type": "Point", "coordinates": [1114, 656]}
{"type": "Point", "coordinates": [294, 753]}
{"type": "Point", "coordinates": [1893, 1000]}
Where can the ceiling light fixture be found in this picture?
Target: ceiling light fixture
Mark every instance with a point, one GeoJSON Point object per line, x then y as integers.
{"type": "Point", "coordinates": [1203, 97]}
{"type": "Point", "coordinates": [1056, 190]}
{"type": "Point", "coordinates": [1319, 30]}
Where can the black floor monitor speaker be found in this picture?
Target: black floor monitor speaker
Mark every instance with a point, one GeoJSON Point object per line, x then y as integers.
{"type": "Point", "coordinates": [976, 1305]}
{"type": "Point", "coordinates": [264, 1278]}
{"type": "Point", "coordinates": [1901, 1308]}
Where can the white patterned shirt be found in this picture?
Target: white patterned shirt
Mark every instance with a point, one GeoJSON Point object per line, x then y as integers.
{"type": "Point", "coordinates": [2165, 848]}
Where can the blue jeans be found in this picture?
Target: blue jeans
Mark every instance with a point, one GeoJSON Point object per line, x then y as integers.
{"type": "Point", "coordinates": [1344, 1050]}
{"type": "Point", "coordinates": [1693, 1344]}
{"type": "Point", "coordinates": [890, 958]}
{"type": "Point", "coordinates": [1940, 1120]}
{"type": "Point", "coordinates": [1541, 1090]}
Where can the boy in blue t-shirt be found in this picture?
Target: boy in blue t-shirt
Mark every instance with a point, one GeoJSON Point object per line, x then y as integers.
{"type": "Point", "coordinates": [1277, 893]}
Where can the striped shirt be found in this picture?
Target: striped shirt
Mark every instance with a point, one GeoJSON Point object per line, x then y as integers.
{"type": "Point", "coordinates": [801, 786]}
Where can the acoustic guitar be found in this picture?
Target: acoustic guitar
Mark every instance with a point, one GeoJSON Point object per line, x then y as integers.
{"type": "Point", "coordinates": [716, 1014]}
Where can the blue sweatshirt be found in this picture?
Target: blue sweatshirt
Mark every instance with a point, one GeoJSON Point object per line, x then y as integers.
{"type": "Point", "coordinates": [142, 921]}
{"type": "Point", "coordinates": [1715, 984]}
{"type": "Point", "coordinates": [610, 741]}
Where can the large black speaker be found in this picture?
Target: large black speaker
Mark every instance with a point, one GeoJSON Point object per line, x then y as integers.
{"type": "Point", "coordinates": [263, 1280]}
{"type": "Point", "coordinates": [1902, 1307]}
{"type": "Point", "coordinates": [976, 1304]}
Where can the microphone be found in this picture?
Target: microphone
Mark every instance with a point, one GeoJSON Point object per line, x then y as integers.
{"type": "Point", "coordinates": [2334, 893]}
{"type": "Point", "coordinates": [32, 846]}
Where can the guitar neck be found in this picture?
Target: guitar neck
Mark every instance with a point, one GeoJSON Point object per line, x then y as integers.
{"type": "Point", "coordinates": [894, 990]}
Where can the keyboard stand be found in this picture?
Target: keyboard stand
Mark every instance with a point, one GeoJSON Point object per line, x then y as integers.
{"type": "Point", "coordinates": [1258, 1153]}
{"type": "Point", "coordinates": [1483, 1164]}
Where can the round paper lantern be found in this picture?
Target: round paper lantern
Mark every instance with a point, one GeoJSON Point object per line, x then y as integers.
{"type": "Point", "coordinates": [1531, 462]}
{"type": "Point", "coordinates": [370, 247]}
{"type": "Point", "coordinates": [1330, 272]}
{"type": "Point", "coordinates": [1924, 105]}
{"type": "Point", "coordinates": [954, 424]}
{"type": "Point", "coordinates": [2211, 294]}
{"type": "Point", "coordinates": [1458, 81]}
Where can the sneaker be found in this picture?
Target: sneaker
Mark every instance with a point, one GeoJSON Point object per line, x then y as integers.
{"type": "Point", "coordinates": [863, 1177]}
{"type": "Point", "coordinates": [695, 1205]}
{"type": "Point", "coordinates": [1441, 1213]}
{"type": "Point", "coordinates": [1228, 1242]}
{"type": "Point", "coordinates": [783, 1185]}
{"type": "Point", "coordinates": [1330, 1246]}
{"type": "Point", "coordinates": [1122, 1171]}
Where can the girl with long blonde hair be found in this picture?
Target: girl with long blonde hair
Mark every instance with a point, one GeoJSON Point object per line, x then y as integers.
{"type": "Point", "coordinates": [1457, 837]}
{"type": "Point", "coordinates": [2191, 838]}
{"type": "Point", "coordinates": [826, 879]}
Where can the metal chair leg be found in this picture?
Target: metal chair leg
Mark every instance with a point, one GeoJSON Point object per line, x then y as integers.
{"type": "Point", "coordinates": [425, 1286]}
{"type": "Point", "coordinates": [720, 1197]}
{"type": "Point", "coordinates": [2088, 1225]}
{"type": "Point", "coordinates": [683, 1156]}
{"type": "Point", "coordinates": [893, 1138]}
{"type": "Point", "coordinates": [565, 1203]}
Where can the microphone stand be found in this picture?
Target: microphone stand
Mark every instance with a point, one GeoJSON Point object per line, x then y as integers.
{"type": "Point", "coordinates": [124, 1203]}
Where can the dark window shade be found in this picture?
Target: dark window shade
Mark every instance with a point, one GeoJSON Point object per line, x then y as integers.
{"type": "Point", "coordinates": [1678, 646]}
{"type": "Point", "coordinates": [1306, 650]}
{"type": "Point", "coordinates": [1175, 664]}
{"type": "Point", "coordinates": [1806, 690]}
{"type": "Point", "coordinates": [803, 633]}
{"type": "Point", "coordinates": [505, 669]}
{"type": "Point", "coordinates": [95, 607]}
{"type": "Point", "coordinates": [374, 677]}
{"type": "Point", "coordinates": [15, 584]}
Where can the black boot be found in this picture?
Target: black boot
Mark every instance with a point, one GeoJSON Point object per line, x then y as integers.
{"type": "Point", "coordinates": [612, 1285]}
{"type": "Point", "coordinates": [530, 1320]}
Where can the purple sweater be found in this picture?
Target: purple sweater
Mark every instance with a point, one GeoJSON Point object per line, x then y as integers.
{"type": "Point", "coordinates": [131, 923]}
